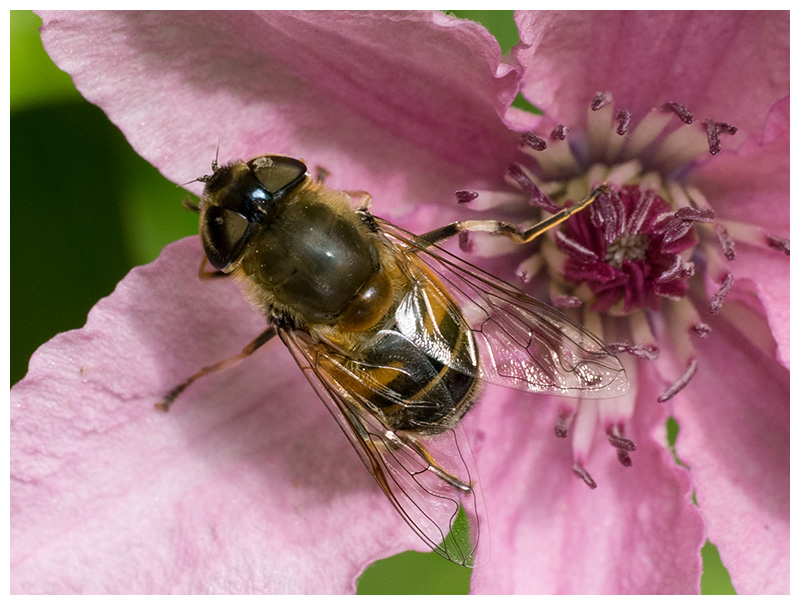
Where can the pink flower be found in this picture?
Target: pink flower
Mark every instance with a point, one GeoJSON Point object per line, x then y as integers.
{"type": "Point", "coordinates": [247, 486]}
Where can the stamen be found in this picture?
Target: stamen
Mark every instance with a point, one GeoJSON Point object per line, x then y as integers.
{"type": "Point", "coordinates": [713, 130]}
{"type": "Point", "coordinates": [616, 437]}
{"type": "Point", "coordinates": [601, 99]}
{"type": "Point", "coordinates": [624, 121]}
{"type": "Point", "coordinates": [582, 473]}
{"type": "Point", "coordinates": [700, 215]}
{"type": "Point", "coordinates": [725, 240]}
{"type": "Point", "coordinates": [574, 248]}
{"type": "Point", "coordinates": [530, 267]}
{"type": "Point", "coordinates": [649, 352]}
{"type": "Point", "coordinates": [534, 142]}
{"type": "Point", "coordinates": [686, 116]}
{"type": "Point", "coordinates": [672, 228]}
{"type": "Point", "coordinates": [721, 294]}
{"type": "Point", "coordinates": [680, 222]}
{"type": "Point", "coordinates": [564, 420]}
{"type": "Point", "coordinates": [464, 242]}
{"type": "Point", "coordinates": [679, 269]}
{"type": "Point", "coordinates": [680, 383]}
{"type": "Point", "coordinates": [535, 195]}
{"type": "Point", "coordinates": [640, 211]}
{"type": "Point", "coordinates": [778, 243]}
{"type": "Point", "coordinates": [563, 301]}
{"type": "Point", "coordinates": [700, 329]}
{"type": "Point", "coordinates": [464, 197]}
{"type": "Point", "coordinates": [559, 133]}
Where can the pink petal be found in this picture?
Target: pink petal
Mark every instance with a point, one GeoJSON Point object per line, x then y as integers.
{"type": "Point", "coordinates": [638, 532]}
{"type": "Point", "coordinates": [406, 105]}
{"type": "Point", "coordinates": [241, 488]}
{"type": "Point", "coordinates": [734, 419]}
{"type": "Point", "coordinates": [726, 65]}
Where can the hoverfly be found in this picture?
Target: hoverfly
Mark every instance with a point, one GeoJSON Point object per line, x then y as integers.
{"type": "Point", "coordinates": [395, 334]}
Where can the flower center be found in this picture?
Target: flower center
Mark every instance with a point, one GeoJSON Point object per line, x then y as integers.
{"type": "Point", "coordinates": [628, 246]}
{"type": "Point", "coordinates": [628, 249]}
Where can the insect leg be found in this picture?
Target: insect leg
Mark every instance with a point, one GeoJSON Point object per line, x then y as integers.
{"type": "Point", "coordinates": [508, 230]}
{"type": "Point", "coordinates": [433, 466]}
{"type": "Point", "coordinates": [251, 348]}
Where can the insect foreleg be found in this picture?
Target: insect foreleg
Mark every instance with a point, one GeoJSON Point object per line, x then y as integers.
{"type": "Point", "coordinates": [508, 230]}
{"type": "Point", "coordinates": [251, 348]}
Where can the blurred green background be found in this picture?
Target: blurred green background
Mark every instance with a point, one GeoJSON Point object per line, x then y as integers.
{"type": "Point", "coordinates": [85, 209]}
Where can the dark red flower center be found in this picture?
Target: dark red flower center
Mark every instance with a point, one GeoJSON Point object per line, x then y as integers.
{"type": "Point", "coordinates": [627, 248]}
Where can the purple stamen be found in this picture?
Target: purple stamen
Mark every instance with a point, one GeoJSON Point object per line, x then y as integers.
{"type": "Point", "coordinates": [680, 383]}
{"type": "Point", "coordinates": [686, 116]}
{"type": "Point", "coordinates": [464, 242]}
{"type": "Point", "coordinates": [725, 240]}
{"type": "Point", "coordinates": [464, 197]}
{"type": "Point", "coordinates": [562, 425]}
{"type": "Point", "coordinates": [700, 329]}
{"type": "Point", "coordinates": [575, 249]}
{"type": "Point", "coordinates": [534, 142]}
{"type": "Point", "coordinates": [640, 210]}
{"type": "Point", "coordinates": [617, 438]}
{"type": "Point", "coordinates": [649, 352]}
{"type": "Point", "coordinates": [721, 294]}
{"type": "Point", "coordinates": [563, 301]}
{"type": "Point", "coordinates": [701, 215]}
{"type": "Point", "coordinates": [535, 195]}
{"type": "Point", "coordinates": [559, 133]}
{"type": "Point", "coordinates": [623, 121]}
{"type": "Point", "coordinates": [713, 130]}
{"type": "Point", "coordinates": [679, 269]}
{"type": "Point", "coordinates": [582, 473]}
{"type": "Point", "coordinates": [778, 243]}
{"type": "Point", "coordinates": [601, 99]}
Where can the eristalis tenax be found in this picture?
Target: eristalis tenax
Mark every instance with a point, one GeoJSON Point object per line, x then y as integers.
{"type": "Point", "coordinates": [395, 334]}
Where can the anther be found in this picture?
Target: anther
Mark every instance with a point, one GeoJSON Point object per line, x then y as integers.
{"type": "Point", "coordinates": [686, 116]}
{"type": "Point", "coordinates": [601, 99]}
{"type": "Point", "coordinates": [643, 203]}
{"type": "Point", "coordinates": [575, 250]}
{"type": "Point", "coordinates": [616, 437]}
{"type": "Point", "coordinates": [701, 215]}
{"type": "Point", "coordinates": [564, 301]}
{"type": "Point", "coordinates": [464, 197]}
{"type": "Point", "coordinates": [713, 132]}
{"type": "Point", "coordinates": [649, 352]}
{"type": "Point", "coordinates": [721, 294]}
{"type": "Point", "coordinates": [623, 121]}
{"type": "Point", "coordinates": [464, 242]}
{"type": "Point", "coordinates": [778, 243]}
{"type": "Point", "coordinates": [535, 195]}
{"type": "Point", "coordinates": [725, 240]}
{"type": "Point", "coordinates": [679, 269]}
{"type": "Point", "coordinates": [559, 133]}
{"type": "Point", "coordinates": [534, 142]}
{"type": "Point", "coordinates": [582, 473]}
{"type": "Point", "coordinates": [700, 329]}
{"type": "Point", "coordinates": [680, 383]}
{"type": "Point", "coordinates": [563, 422]}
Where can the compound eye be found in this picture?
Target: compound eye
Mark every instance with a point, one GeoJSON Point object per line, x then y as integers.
{"type": "Point", "coordinates": [278, 173]}
{"type": "Point", "coordinates": [224, 234]}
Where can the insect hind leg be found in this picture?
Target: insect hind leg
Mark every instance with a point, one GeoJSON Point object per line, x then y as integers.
{"type": "Point", "coordinates": [508, 230]}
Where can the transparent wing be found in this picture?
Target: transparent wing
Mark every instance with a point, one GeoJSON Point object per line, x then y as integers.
{"type": "Point", "coordinates": [427, 478]}
{"type": "Point", "coordinates": [521, 342]}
